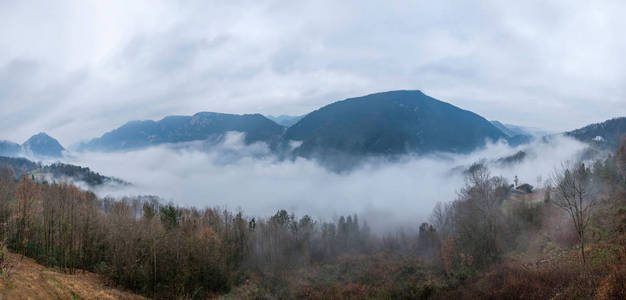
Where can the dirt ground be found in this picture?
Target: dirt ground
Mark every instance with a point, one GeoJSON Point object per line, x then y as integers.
{"type": "Point", "coordinates": [28, 280]}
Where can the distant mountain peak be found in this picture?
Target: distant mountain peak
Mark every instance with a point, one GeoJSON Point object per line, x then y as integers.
{"type": "Point", "coordinates": [390, 123]}
{"type": "Point", "coordinates": [40, 136]}
{"type": "Point", "coordinates": [42, 144]}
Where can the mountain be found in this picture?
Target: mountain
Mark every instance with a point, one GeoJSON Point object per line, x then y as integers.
{"type": "Point", "coordinates": [505, 129]}
{"type": "Point", "coordinates": [44, 145]}
{"type": "Point", "coordinates": [40, 145]}
{"type": "Point", "coordinates": [513, 130]}
{"type": "Point", "coordinates": [516, 135]}
{"type": "Point", "coordinates": [605, 135]}
{"type": "Point", "coordinates": [175, 129]}
{"type": "Point", "coordinates": [8, 148]}
{"type": "Point", "coordinates": [286, 120]}
{"type": "Point", "coordinates": [394, 122]}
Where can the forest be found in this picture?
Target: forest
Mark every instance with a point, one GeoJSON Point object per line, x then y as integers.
{"type": "Point", "coordinates": [562, 241]}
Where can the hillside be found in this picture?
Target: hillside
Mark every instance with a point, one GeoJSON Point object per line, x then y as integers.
{"type": "Point", "coordinates": [26, 279]}
{"type": "Point", "coordinates": [393, 122]}
{"type": "Point", "coordinates": [605, 135]}
{"type": "Point", "coordinates": [175, 129]}
{"type": "Point", "coordinates": [56, 171]}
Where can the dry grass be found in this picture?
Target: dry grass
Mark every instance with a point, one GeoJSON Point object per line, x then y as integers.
{"type": "Point", "coordinates": [29, 280]}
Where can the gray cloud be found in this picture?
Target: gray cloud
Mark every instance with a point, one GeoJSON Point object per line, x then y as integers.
{"type": "Point", "coordinates": [77, 69]}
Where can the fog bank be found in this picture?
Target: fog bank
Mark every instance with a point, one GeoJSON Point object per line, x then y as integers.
{"type": "Point", "coordinates": [389, 194]}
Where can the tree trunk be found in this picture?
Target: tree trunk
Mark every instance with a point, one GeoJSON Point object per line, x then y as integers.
{"type": "Point", "coordinates": [582, 247]}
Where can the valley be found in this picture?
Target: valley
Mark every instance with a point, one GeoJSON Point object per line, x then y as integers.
{"type": "Point", "coordinates": [289, 242]}
{"type": "Point", "coordinates": [270, 150]}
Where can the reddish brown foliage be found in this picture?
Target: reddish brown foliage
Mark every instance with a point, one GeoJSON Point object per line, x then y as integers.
{"type": "Point", "coordinates": [447, 254]}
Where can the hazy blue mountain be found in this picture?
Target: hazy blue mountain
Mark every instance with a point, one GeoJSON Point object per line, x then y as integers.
{"type": "Point", "coordinates": [8, 148]}
{"type": "Point", "coordinates": [606, 135]}
{"type": "Point", "coordinates": [394, 122]}
{"type": "Point", "coordinates": [43, 145]}
{"type": "Point", "coordinates": [286, 120]}
{"type": "Point", "coordinates": [516, 135]}
{"type": "Point", "coordinates": [513, 130]}
{"type": "Point", "coordinates": [505, 129]}
{"type": "Point", "coordinates": [175, 129]}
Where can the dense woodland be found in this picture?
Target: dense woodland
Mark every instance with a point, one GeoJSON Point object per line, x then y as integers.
{"type": "Point", "coordinates": [566, 240]}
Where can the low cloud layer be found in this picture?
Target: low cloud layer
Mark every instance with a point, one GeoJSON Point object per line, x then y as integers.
{"type": "Point", "coordinates": [389, 194]}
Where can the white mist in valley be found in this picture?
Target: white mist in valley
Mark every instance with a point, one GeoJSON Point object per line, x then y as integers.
{"type": "Point", "coordinates": [247, 177]}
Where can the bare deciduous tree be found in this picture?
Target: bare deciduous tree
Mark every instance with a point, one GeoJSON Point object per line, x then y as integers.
{"type": "Point", "coordinates": [573, 193]}
{"type": "Point", "coordinates": [27, 193]}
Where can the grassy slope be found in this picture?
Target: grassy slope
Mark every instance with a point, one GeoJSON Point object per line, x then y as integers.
{"type": "Point", "coordinates": [29, 280]}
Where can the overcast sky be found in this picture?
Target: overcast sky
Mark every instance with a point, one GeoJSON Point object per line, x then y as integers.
{"type": "Point", "coordinates": [76, 69]}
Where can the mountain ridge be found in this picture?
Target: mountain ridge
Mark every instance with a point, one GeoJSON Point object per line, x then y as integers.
{"type": "Point", "coordinates": [393, 122]}
{"type": "Point", "coordinates": [173, 129]}
{"type": "Point", "coordinates": [385, 123]}
{"type": "Point", "coordinates": [605, 135]}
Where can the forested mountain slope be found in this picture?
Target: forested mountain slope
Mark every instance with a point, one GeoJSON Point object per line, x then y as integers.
{"type": "Point", "coordinates": [606, 135]}
{"type": "Point", "coordinates": [393, 122]}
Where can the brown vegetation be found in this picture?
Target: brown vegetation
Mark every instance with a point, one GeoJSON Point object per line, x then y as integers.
{"type": "Point", "coordinates": [29, 280]}
{"type": "Point", "coordinates": [489, 243]}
